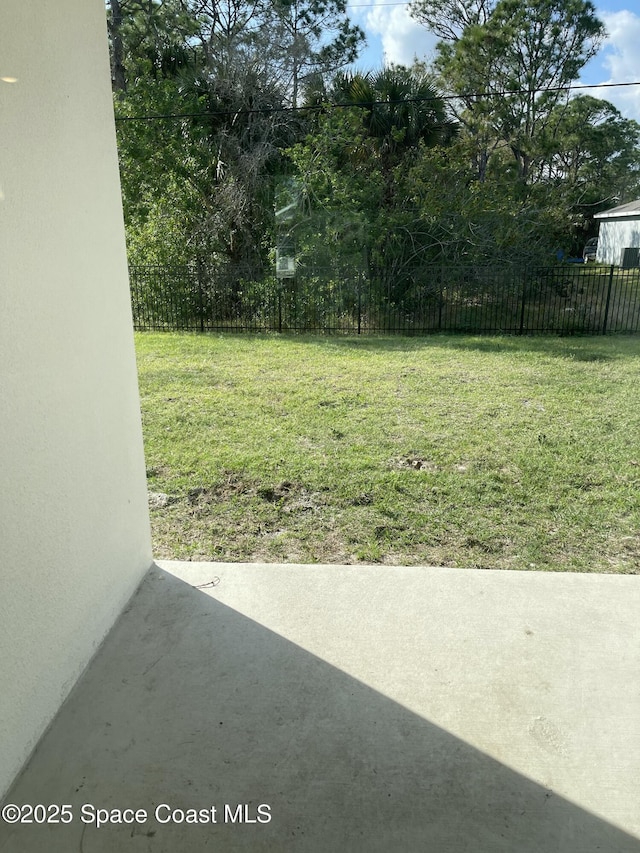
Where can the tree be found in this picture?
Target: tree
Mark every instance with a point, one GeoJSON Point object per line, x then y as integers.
{"type": "Point", "coordinates": [510, 66]}
{"type": "Point", "coordinates": [310, 38]}
{"type": "Point", "coordinates": [449, 18]}
{"type": "Point", "coordinates": [199, 179]}
{"type": "Point", "coordinates": [592, 150]}
{"type": "Point", "coordinates": [114, 28]}
{"type": "Point", "coordinates": [401, 108]}
{"type": "Point", "coordinates": [148, 40]}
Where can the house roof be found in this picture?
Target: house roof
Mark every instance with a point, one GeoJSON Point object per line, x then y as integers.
{"type": "Point", "coordinates": [632, 208]}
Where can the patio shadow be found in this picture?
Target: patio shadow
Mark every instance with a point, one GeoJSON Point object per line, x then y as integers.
{"type": "Point", "coordinates": [192, 704]}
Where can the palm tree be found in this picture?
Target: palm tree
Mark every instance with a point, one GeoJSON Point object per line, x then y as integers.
{"type": "Point", "coordinates": [402, 109]}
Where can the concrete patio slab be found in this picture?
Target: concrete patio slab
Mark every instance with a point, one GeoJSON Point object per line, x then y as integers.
{"type": "Point", "coordinates": [342, 708]}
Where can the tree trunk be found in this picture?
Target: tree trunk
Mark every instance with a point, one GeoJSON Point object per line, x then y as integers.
{"type": "Point", "coordinates": [118, 77]}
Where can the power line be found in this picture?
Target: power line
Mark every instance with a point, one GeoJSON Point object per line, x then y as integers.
{"type": "Point", "coordinates": [345, 105]}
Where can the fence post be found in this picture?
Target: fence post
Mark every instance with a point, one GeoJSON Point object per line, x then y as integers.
{"type": "Point", "coordinates": [606, 308]}
{"type": "Point", "coordinates": [441, 296]}
{"type": "Point", "coordinates": [133, 290]}
{"type": "Point", "coordinates": [200, 301]}
{"type": "Point", "coordinates": [524, 292]}
{"type": "Point", "coordinates": [279, 286]}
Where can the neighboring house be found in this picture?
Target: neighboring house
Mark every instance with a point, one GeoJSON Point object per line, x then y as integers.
{"type": "Point", "coordinates": [619, 231]}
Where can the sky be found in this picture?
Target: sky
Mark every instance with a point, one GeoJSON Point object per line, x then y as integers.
{"type": "Point", "coordinates": [393, 36]}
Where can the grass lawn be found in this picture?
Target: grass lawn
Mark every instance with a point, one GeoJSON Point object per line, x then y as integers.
{"type": "Point", "coordinates": [513, 453]}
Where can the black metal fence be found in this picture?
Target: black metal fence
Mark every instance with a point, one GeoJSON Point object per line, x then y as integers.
{"type": "Point", "coordinates": [571, 299]}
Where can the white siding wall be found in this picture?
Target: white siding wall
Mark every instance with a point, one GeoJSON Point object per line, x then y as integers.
{"type": "Point", "coordinates": [614, 236]}
{"type": "Point", "coordinates": [74, 528]}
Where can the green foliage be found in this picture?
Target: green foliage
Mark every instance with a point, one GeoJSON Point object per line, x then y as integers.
{"type": "Point", "coordinates": [200, 188]}
{"type": "Point", "coordinates": [479, 223]}
{"type": "Point", "coordinates": [353, 167]}
{"type": "Point", "coordinates": [552, 160]}
{"type": "Point", "coordinates": [374, 185]}
{"type": "Point", "coordinates": [401, 108]}
{"type": "Point", "coordinates": [384, 176]}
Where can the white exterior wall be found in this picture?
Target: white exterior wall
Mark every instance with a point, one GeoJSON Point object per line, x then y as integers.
{"type": "Point", "coordinates": [74, 527]}
{"type": "Point", "coordinates": [615, 236]}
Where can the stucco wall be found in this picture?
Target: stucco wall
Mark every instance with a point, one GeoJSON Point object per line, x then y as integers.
{"type": "Point", "coordinates": [614, 236]}
{"type": "Point", "coordinates": [74, 532]}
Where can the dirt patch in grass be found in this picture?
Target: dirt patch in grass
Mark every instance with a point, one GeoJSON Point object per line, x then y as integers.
{"type": "Point", "coordinates": [289, 497]}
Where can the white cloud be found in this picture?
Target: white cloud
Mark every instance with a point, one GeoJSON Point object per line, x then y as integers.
{"type": "Point", "coordinates": [403, 39]}
{"type": "Point", "coordinates": [620, 59]}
